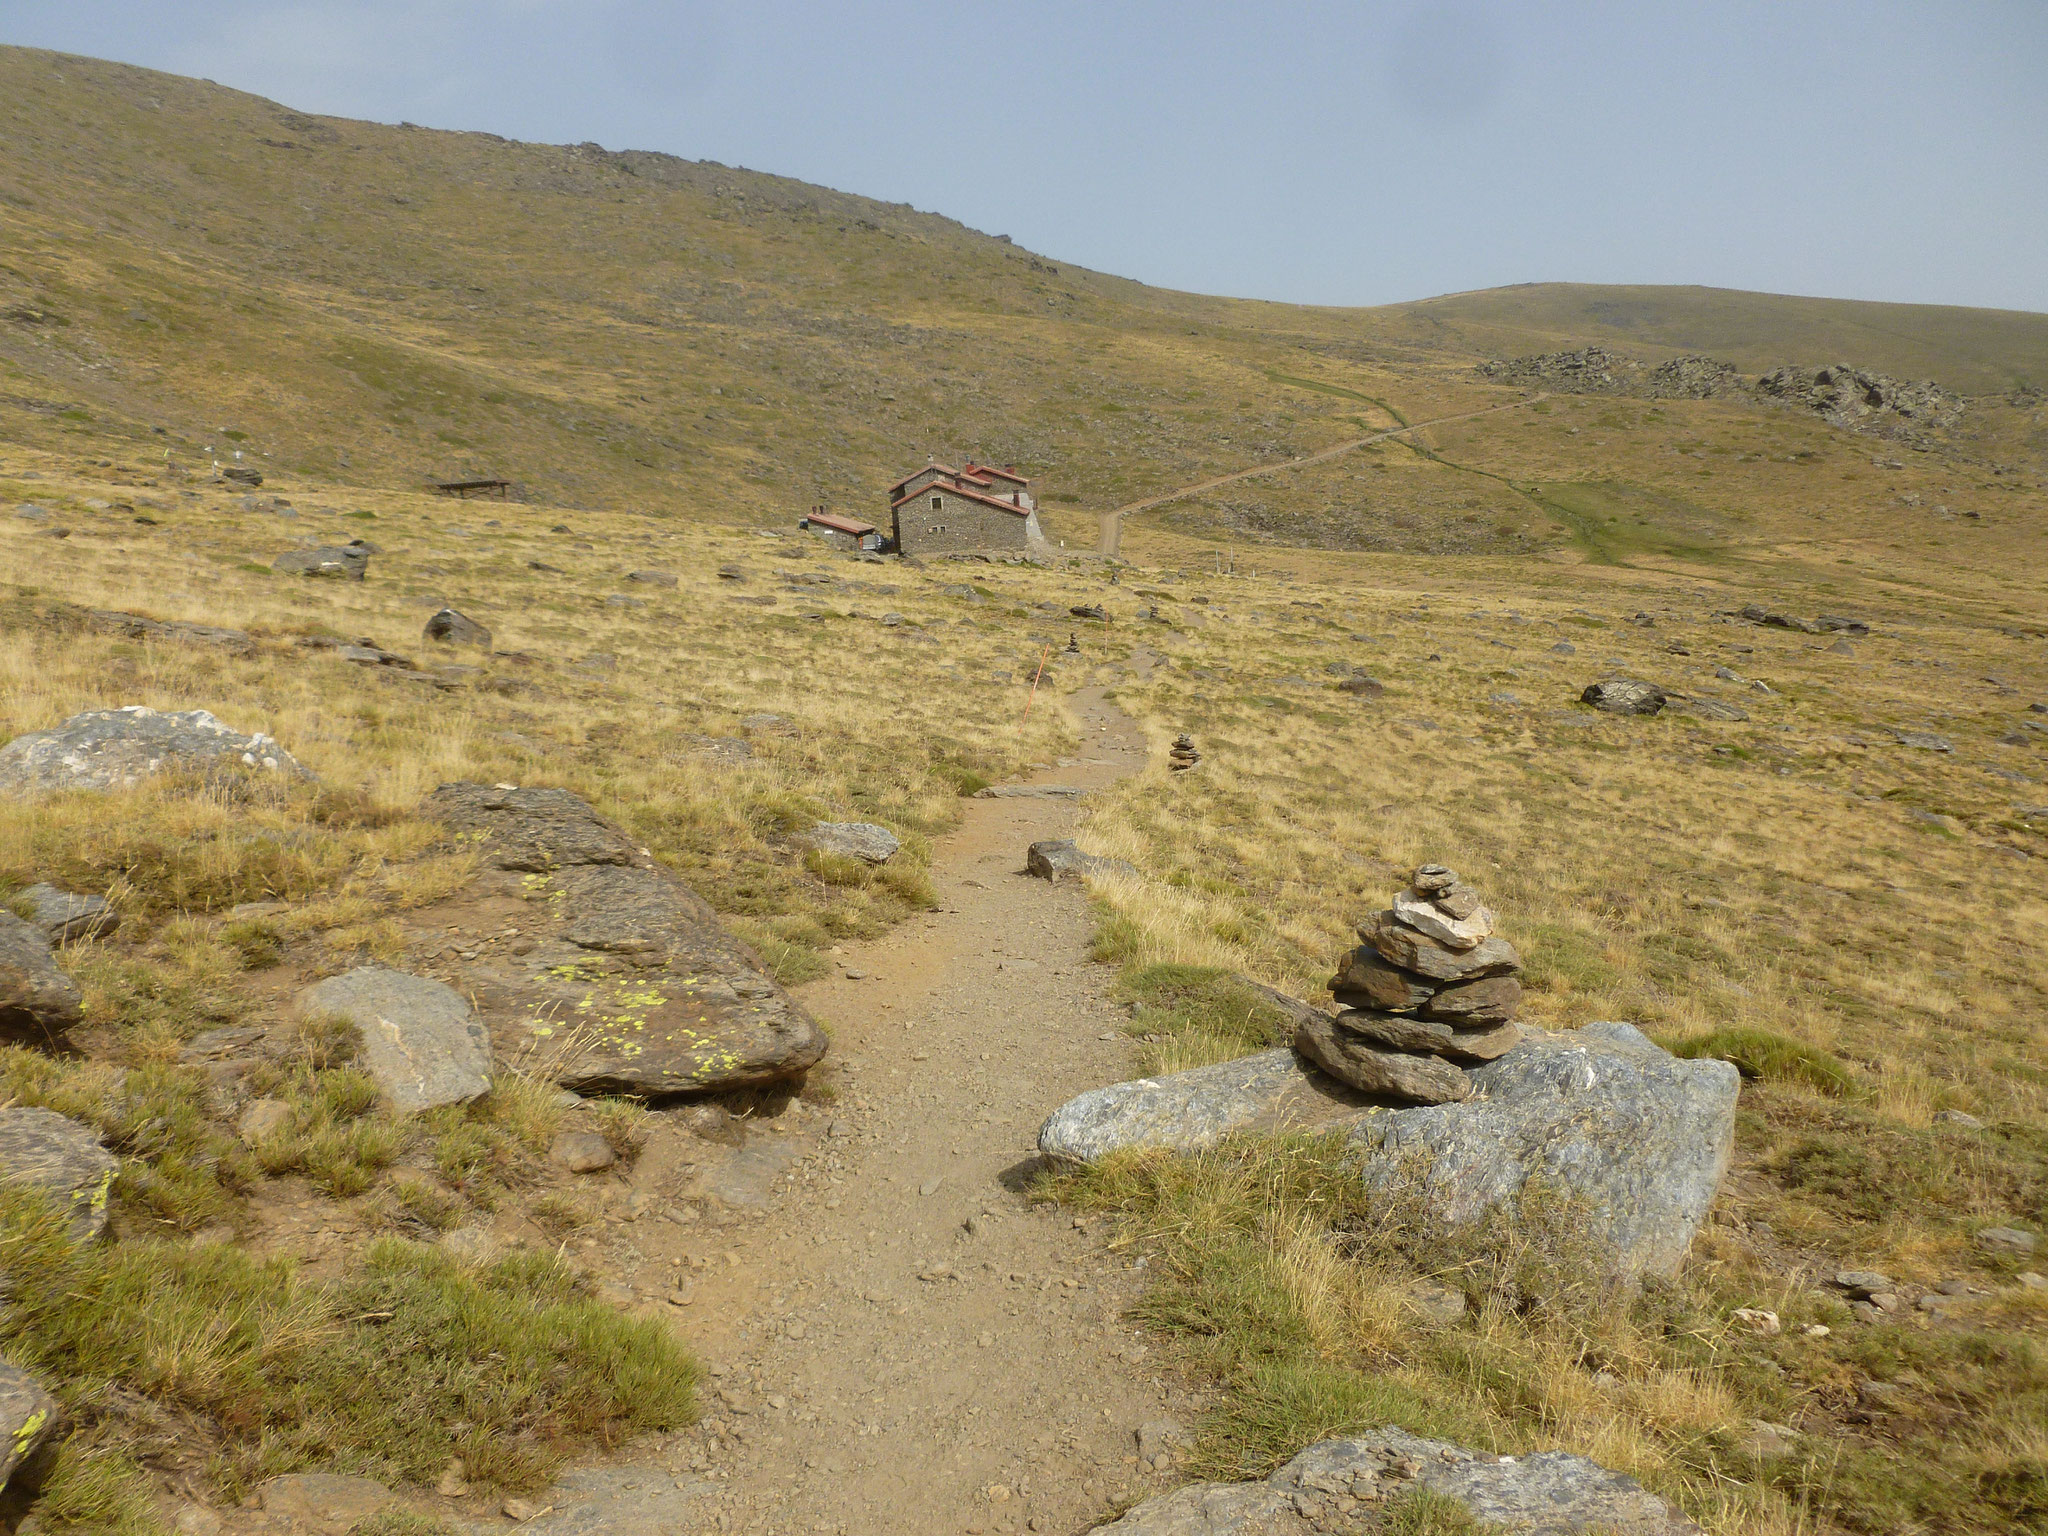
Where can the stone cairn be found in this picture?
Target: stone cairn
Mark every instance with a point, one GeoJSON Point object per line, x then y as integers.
{"type": "Point", "coordinates": [1429, 992]}
{"type": "Point", "coordinates": [1182, 756]}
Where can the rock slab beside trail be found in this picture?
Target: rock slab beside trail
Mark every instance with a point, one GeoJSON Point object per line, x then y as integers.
{"type": "Point", "coordinates": [1551, 1494]}
{"type": "Point", "coordinates": [863, 840]}
{"type": "Point", "coordinates": [54, 1153]}
{"type": "Point", "coordinates": [659, 997]}
{"type": "Point", "coordinates": [111, 748]}
{"type": "Point", "coordinates": [65, 916]}
{"type": "Point", "coordinates": [1057, 859]}
{"type": "Point", "coordinates": [38, 1001]}
{"type": "Point", "coordinates": [1638, 1139]}
{"type": "Point", "coordinates": [421, 1042]}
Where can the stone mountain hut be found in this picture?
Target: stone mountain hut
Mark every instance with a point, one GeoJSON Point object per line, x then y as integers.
{"type": "Point", "coordinates": [937, 510]}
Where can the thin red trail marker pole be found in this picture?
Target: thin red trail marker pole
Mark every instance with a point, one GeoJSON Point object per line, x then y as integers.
{"type": "Point", "coordinates": [1034, 682]}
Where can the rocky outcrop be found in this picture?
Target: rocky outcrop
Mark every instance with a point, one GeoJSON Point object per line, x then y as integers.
{"type": "Point", "coordinates": [1549, 1494]}
{"type": "Point", "coordinates": [1862, 399]}
{"type": "Point", "coordinates": [862, 840]}
{"type": "Point", "coordinates": [1635, 1140]}
{"type": "Point", "coordinates": [420, 1041]}
{"type": "Point", "coordinates": [55, 1154]}
{"type": "Point", "coordinates": [112, 748]}
{"type": "Point", "coordinates": [632, 979]}
{"type": "Point", "coordinates": [1859, 399]}
{"type": "Point", "coordinates": [38, 1002]}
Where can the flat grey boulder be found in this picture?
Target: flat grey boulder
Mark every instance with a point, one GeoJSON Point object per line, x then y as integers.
{"type": "Point", "coordinates": [111, 748]}
{"type": "Point", "coordinates": [1550, 1494]}
{"type": "Point", "coordinates": [29, 1421]}
{"type": "Point", "coordinates": [346, 562]}
{"type": "Point", "coordinates": [619, 1501]}
{"type": "Point", "coordinates": [38, 1001]}
{"type": "Point", "coordinates": [420, 1040]}
{"type": "Point", "coordinates": [1635, 1139]}
{"type": "Point", "coordinates": [64, 916]}
{"type": "Point", "coordinates": [1057, 859]}
{"type": "Point", "coordinates": [862, 840]}
{"type": "Point", "coordinates": [629, 962]}
{"type": "Point", "coordinates": [1624, 696]}
{"type": "Point", "coordinates": [51, 1152]}
{"type": "Point", "coordinates": [452, 628]}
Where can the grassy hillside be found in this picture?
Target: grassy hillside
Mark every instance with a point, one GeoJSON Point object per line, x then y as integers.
{"type": "Point", "coordinates": [187, 270]}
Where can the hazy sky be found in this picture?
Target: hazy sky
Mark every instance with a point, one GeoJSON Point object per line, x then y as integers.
{"type": "Point", "coordinates": [1334, 153]}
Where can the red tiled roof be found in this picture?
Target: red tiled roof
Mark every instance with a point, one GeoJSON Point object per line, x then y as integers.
{"type": "Point", "coordinates": [956, 489]}
{"type": "Point", "coordinates": [840, 524]}
{"type": "Point", "coordinates": [941, 468]}
{"type": "Point", "coordinates": [1001, 474]}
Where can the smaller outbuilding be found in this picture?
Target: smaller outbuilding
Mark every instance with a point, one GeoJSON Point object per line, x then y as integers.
{"type": "Point", "coordinates": [841, 532]}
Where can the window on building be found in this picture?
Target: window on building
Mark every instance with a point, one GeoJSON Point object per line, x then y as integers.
{"type": "Point", "coordinates": [938, 504]}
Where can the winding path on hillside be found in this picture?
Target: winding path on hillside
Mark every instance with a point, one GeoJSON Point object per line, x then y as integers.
{"type": "Point", "coordinates": [1112, 521]}
{"type": "Point", "coordinates": [912, 1345]}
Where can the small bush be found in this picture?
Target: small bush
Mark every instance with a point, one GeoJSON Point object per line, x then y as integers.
{"type": "Point", "coordinates": [259, 944]}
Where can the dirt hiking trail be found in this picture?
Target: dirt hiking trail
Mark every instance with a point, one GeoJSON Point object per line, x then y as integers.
{"type": "Point", "coordinates": [906, 1345]}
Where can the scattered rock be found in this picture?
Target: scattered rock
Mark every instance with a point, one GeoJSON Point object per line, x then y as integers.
{"type": "Point", "coordinates": [1551, 1494]}
{"type": "Point", "coordinates": [583, 1152]}
{"type": "Point", "coordinates": [133, 626]}
{"type": "Point", "coordinates": [1962, 1119]}
{"type": "Point", "coordinates": [65, 917]}
{"type": "Point", "coordinates": [1758, 1320]}
{"type": "Point", "coordinates": [2005, 1240]}
{"type": "Point", "coordinates": [51, 1152]}
{"type": "Point", "coordinates": [1363, 686]}
{"type": "Point", "coordinates": [862, 840]}
{"type": "Point", "coordinates": [452, 628]}
{"type": "Point", "coordinates": [652, 578]}
{"type": "Point", "coordinates": [322, 1503]}
{"type": "Point", "coordinates": [263, 1119]}
{"type": "Point", "coordinates": [29, 1420]}
{"type": "Point", "coordinates": [420, 1041]}
{"type": "Point", "coordinates": [38, 1002]}
{"type": "Point", "coordinates": [1056, 859]}
{"type": "Point", "coordinates": [1860, 1283]}
{"type": "Point", "coordinates": [1437, 1302]}
{"type": "Point", "coordinates": [1709, 709]}
{"type": "Point", "coordinates": [1160, 1438]}
{"type": "Point", "coordinates": [1599, 1113]}
{"type": "Point", "coordinates": [348, 562]}
{"type": "Point", "coordinates": [665, 1000]}
{"type": "Point", "coordinates": [1624, 696]}
{"type": "Point", "coordinates": [1925, 741]}
{"type": "Point", "coordinates": [111, 748]}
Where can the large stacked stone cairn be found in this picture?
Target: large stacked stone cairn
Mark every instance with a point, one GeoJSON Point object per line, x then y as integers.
{"type": "Point", "coordinates": [1429, 992]}
{"type": "Point", "coordinates": [1182, 756]}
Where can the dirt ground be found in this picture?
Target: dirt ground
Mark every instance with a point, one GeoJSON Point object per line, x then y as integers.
{"type": "Point", "coordinates": [898, 1338]}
